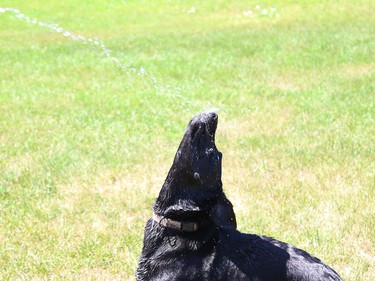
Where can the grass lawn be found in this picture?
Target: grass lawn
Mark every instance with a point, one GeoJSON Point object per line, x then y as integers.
{"type": "Point", "coordinates": [85, 145]}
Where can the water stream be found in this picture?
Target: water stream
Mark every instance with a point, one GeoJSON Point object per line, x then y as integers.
{"type": "Point", "coordinates": [97, 43]}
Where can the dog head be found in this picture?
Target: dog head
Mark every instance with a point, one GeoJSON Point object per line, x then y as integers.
{"type": "Point", "coordinates": [193, 184]}
{"type": "Point", "coordinates": [197, 161]}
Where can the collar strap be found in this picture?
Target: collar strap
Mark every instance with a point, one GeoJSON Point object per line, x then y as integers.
{"type": "Point", "coordinates": [179, 225]}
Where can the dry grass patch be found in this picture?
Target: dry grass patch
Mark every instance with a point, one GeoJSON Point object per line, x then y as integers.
{"type": "Point", "coordinates": [287, 84]}
{"type": "Point", "coordinates": [270, 122]}
{"type": "Point", "coordinates": [353, 71]}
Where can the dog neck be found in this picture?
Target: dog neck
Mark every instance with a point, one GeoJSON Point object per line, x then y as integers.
{"type": "Point", "coordinates": [178, 225]}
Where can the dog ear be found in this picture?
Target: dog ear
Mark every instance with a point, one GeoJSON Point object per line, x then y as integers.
{"type": "Point", "coordinates": [222, 214]}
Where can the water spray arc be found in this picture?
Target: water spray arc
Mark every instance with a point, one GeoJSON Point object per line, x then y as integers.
{"type": "Point", "coordinates": [96, 43]}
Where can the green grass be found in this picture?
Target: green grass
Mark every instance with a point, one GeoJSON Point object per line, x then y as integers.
{"type": "Point", "coordinates": [85, 146]}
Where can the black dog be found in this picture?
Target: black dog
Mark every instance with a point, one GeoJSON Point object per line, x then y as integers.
{"type": "Point", "coordinates": [192, 234]}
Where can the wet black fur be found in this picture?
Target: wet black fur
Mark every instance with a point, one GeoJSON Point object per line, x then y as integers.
{"type": "Point", "coordinates": [217, 251]}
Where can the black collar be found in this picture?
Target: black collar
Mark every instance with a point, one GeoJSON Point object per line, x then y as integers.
{"type": "Point", "coordinates": [179, 225]}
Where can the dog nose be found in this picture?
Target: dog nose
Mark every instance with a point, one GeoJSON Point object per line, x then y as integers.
{"type": "Point", "coordinates": [210, 116]}
{"type": "Point", "coordinates": [205, 118]}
